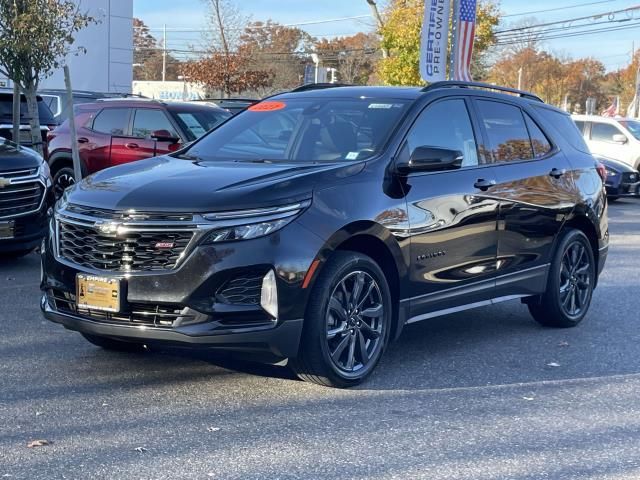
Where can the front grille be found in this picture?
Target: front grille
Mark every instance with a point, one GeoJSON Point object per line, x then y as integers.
{"type": "Point", "coordinates": [630, 177]}
{"type": "Point", "coordinates": [128, 215]}
{"type": "Point", "coordinates": [20, 198]}
{"type": "Point", "coordinates": [244, 289]}
{"type": "Point", "coordinates": [126, 251]}
{"type": "Point", "coordinates": [22, 172]}
{"type": "Point", "coordinates": [159, 316]}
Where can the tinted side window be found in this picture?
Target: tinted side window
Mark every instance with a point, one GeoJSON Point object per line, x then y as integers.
{"type": "Point", "coordinates": [580, 125]}
{"type": "Point", "coordinates": [112, 121]}
{"type": "Point", "coordinates": [564, 126]}
{"type": "Point", "coordinates": [604, 132]}
{"type": "Point", "coordinates": [148, 120]}
{"type": "Point", "coordinates": [445, 124]}
{"type": "Point", "coordinates": [506, 131]}
{"type": "Point", "coordinates": [539, 140]}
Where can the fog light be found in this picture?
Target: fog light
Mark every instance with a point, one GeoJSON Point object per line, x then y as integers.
{"type": "Point", "coordinates": [269, 295]}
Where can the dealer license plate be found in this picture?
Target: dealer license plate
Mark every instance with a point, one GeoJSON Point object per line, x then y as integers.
{"type": "Point", "coordinates": [98, 293]}
{"type": "Point", "coordinates": [7, 229]}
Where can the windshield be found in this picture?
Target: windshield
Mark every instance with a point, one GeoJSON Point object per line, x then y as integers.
{"type": "Point", "coordinates": [304, 130]}
{"type": "Point", "coordinates": [198, 122]}
{"type": "Point", "coordinates": [633, 126]}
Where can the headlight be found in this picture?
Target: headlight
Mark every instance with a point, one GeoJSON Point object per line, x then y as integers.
{"type": "Point", "coordinates": [248, 224]}
{"type": "Point", "coordinates": [611, 173]}
{"type": "Point", "coordinates": [45, 172]}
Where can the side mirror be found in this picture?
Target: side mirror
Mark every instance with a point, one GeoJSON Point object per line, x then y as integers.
{"type": "Point", "coordinates": [619, 138]}
{"type": "Point", "coordinates": [164, 136]}
{"type": "Point", "coordinates": [432, 159]}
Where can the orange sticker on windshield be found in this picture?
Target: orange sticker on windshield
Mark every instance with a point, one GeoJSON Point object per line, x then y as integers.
{"type": "Point", "coordinates": [268, 106]}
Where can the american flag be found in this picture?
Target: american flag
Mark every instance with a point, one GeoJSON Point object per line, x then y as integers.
{"type": "Point", "coordinates": [614, 109]}
{"type": "Point", "coordinates": [466, 35]}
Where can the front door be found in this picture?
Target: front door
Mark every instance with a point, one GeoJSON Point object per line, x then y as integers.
{"type": "Point", "coordinates": [535, 193]}
{"type": "Point", "coordinates": [452, 216]}
{"type": "Point", "coordinates": [600, 139]}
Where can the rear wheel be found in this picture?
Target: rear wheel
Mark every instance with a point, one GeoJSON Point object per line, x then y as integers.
{"type": "Point", "coordinates": [62, 180]}
{"type": "Point", "coordinates": [570, 285]}
{"type": "Point", "coordinates": [347, 322]}
{"type": "Point", "coordinates": [116, 345]}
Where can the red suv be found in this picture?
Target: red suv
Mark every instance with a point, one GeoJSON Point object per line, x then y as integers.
{"type": "Point", "coordinates": [113, 132]}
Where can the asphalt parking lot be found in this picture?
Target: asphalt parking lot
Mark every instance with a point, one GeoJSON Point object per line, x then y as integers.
{"type": "Point", "coordinates": [486, 394]}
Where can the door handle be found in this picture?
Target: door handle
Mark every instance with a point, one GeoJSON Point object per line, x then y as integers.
{"type": "Point", "coordinates": [83, 140]}
{"type": "Point", "coordinates": [132, 146]}
{"type": "Point", "coordinates": [483, 184]}
{"type": "Point", "coordinates": [557, 172]}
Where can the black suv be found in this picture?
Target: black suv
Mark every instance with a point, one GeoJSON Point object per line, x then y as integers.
{"type": "Point", "coordinates": [318, 223]}
{"type": "Point", "coordinates": [47, 122]}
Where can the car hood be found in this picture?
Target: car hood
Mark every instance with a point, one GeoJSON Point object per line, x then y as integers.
{"type": "Point", "coordinates": [614, 164]}
{"type": "Point", "coordinates": [13, 157]}
{"type": "Point", "coordinates": [169, 184]}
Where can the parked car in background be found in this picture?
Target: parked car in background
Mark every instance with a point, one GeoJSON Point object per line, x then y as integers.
{"type": "Point", "coordinates": [231, 105]}
{"type": "Point", "coordinates": [57, 100]}
{"type": "Point", "coordinates": [622, 179]}
{"type": "Point", "coordinates": [47, 122]}
{"type": "Point", "coordinates": [116, 131]}
{"type": "Point", "coordinates": [612, 137]}
{"type": "Point", "coordinates": [317, 223]}
{"type": "Point", "coordinates": [25, 197]}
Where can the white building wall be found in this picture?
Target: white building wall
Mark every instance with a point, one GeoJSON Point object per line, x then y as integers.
{"type": "Point", "coordinates": [108, 64]}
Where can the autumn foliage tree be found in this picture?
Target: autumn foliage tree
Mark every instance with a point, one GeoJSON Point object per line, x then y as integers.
{"type": "Point", "coordinates": [147, 56]}
{"type": "Point", "coordinates": [401, 38]}
{"type": "Point", "coordinates": [228, 67]}
{"type": "Point", "coordinates": [354, 56]}
{"type": "Point", "coordinates": [35, 37]}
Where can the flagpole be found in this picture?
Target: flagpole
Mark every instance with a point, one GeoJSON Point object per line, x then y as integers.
{"type": "Point", "coordinates": [453, 62]}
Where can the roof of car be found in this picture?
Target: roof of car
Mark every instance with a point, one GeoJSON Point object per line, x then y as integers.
{"type": "Point", "coordinates": [147, 102]}
{"type": "Point", "coordinates": [355, 91]}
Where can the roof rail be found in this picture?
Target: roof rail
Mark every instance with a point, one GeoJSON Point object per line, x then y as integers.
{"type": "Point", "coordinates": [480, 85]}
{"type": "Point", "coordinates": [317, 86]}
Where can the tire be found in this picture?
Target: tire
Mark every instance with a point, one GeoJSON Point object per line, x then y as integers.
{"type": "Point", "coordinates": [115, 345]}
{"type": "Point", "coordinates": [570, 284]}
{"type": "Point", "coordinates": [62, 179]}
{"type": "Point", "coordinates": [613, 199]}
{"type": "Point", "coordinates": [350, 332]}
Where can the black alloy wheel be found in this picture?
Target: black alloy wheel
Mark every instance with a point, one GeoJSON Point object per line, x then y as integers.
{"type": "Point", "coordinates": [62, 180]}
{"type": "Point", "coordinates": [572, 277]}
{"type": "Point", "coordinates": [347, 323]}
{"type": "Point", "coordinates": [354, 322]}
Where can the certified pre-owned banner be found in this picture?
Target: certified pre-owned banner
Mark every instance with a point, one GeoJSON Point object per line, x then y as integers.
{"type": "Point", "coordinates": [434, 41]}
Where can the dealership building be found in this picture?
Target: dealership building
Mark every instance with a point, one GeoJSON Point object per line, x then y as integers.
{"type": "Point", "coordinates": [107, 65]}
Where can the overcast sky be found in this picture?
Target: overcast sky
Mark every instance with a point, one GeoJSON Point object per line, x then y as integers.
{"type": "Point", "coordinates": [612, 48]}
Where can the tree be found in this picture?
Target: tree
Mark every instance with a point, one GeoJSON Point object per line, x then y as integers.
{"type": "Point", "coordinates": [227, 67]}
{"type": "Point", "coordinates": [401, 37]}
{"type": "Point", "coordinates": [278, 49]}
{"type": "Point", "coordinates": [147, 56]}
{"type": "Point", "coordinates": [354, 56]}
{"type": "Point", "coordinates": [35, 37]}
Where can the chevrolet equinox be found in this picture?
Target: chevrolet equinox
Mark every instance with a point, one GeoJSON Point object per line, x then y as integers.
{"type": "Point", "coordinates": [318, 223]}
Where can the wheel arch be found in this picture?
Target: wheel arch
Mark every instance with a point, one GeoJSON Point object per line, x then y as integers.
{"type": "Point", "coordinates": [375, 241]}
{"type": "Point", "coordinates": [58, 160]}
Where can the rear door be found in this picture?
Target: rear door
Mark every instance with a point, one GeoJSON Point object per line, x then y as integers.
{"type": "Point", "coordinates": [452, 215]}
{"type": "Point", "coordinates": [94, 139]}
{"type": "Point", "coordinates": [534, 192]}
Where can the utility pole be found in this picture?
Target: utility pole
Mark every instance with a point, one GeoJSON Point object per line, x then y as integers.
{"type": "Point", "coordinates": [453, 62]}
{"type": "Point", "coordinates": [520, 78]}
{"type": "Point", "coordinates": [164, 53]}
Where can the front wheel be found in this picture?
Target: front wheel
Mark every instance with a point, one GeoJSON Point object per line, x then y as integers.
{"type": "Point", "coordinates": [347, 322]}
{"type": "Point", "coordinates": [570, 285]}
{"type": "Point", "coordinates": [62, 180]}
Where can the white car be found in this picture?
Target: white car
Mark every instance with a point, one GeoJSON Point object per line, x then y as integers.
{"type": "Point", "coordinates": [613, 137]}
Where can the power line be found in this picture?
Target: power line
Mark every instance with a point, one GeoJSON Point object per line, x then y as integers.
{"type": "Point", "coordinates": [574, 34]}
{"type": "Point", "coordinates": [557, 9]}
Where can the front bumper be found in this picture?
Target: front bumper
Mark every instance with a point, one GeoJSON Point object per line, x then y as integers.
{"type": "Point", "coordinates": [623, 190]}
{"type": "Point", "coordinates": [281, 341]}
{"type": "Point", "coordinates": [29, 231]}
{"type": "Point", "coordinates": [190, 292]}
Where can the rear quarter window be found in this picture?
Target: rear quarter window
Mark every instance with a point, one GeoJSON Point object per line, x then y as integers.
{"type": "Point", "coordinates": [564, 126]}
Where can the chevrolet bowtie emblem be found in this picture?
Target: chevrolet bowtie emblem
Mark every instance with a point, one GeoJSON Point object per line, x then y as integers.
{"type": "Point", "coordinates": [4, 182]}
